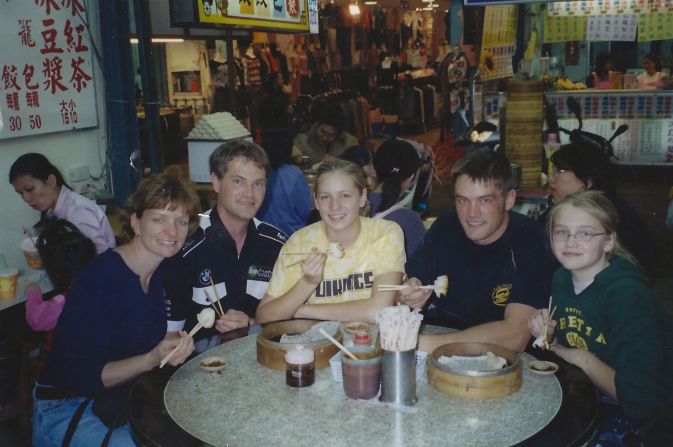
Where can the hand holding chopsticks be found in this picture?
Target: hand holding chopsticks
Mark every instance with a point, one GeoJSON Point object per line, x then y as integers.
{"type": "Point", "coordinates": [542, 341]}
{"type": "Point", "coordinates": [440, 286]}
{"type": "Point", "coordinates": [335, 249]}
{"type": "Point", "coordinates": [206, 318]}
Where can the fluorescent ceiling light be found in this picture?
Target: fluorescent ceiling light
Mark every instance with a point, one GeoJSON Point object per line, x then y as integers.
{"type": "Point", "coordinates": [354, 9]}
{"type": "Point", "coordinates": [161, 40]}
{"type": "Point", "coordinates": [371, 3]}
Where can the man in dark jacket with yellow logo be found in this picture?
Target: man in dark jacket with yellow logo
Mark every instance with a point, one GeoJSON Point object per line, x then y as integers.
{"type": "Point", "coordinates": [498, 262]}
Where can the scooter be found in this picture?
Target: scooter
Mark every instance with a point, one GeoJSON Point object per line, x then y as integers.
{"type": "Point", "coordinates": [579, 135]}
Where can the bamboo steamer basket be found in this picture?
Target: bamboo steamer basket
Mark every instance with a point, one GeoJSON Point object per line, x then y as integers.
{"type": "Point", "coordinates": [271, 353]}
{"type": "Point", "coordinates": [523, 129]}
{"type": "Point", "coordinates": [475, 384]}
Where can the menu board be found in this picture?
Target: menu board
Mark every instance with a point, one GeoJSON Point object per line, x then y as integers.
{"type": "Point", "coordinates": [288, 15]}
{"type": "Point", "coordinates": [498, 42]}
{"type": "Point", "coordinates": [612, 27]}
{"type": "Point", "coordinates": [611, 20]}
{"type": "Point", "coordinates": [564, 29]}
{"type": "Point", "coordinates": [655, 26]}
{"type": "Point", "coordinates": [46, 73]}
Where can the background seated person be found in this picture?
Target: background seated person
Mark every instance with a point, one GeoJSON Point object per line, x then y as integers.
{"type": "Point", "coordinates": [326, 287]}
{"type": "Point", "coordinates": [497, 261]}
{"type": "Point", "coordinates": [396, 163]}
{"type": "Point", "coordinates": [113, 325]}
{"type": "Point", "coordinates": [326, 138]}
{"type": "Point", "coordinates": [41, 185]}
{"type": "Point", "coordinates": [650, 79]}
{"type": "Point", "coordinates": [600, 77]}
{"type": "Point", "coordinates": [288, 200]}
{"type": "Point", "coordinates": [584, 166]}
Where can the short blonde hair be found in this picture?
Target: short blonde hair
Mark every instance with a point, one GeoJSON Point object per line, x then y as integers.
{"type": "Point", "coordinates": [158, 192]}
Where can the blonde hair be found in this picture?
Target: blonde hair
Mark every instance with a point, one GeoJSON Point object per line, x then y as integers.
{"type": "Point", "coordinates": [158, 192]}
{"type": "Point", "coordinates": [353, 170]}
{"type": "Point", "coordinates": [598, 206]}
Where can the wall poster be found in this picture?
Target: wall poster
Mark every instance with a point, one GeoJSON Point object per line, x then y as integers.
{"type": "Point", "coordinates": [46, 70]}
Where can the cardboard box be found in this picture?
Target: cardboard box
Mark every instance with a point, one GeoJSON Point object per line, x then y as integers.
{"type": "Point", "coordinates": [198, 152]}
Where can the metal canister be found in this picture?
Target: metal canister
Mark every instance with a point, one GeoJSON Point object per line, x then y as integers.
{"type": "Point", "coordinates": [398, 377]}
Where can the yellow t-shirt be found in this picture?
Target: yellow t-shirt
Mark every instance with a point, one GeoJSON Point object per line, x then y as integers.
{"type": "Point", "coordinates": [378, 249]}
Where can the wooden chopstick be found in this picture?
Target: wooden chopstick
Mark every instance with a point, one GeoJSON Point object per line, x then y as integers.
{"type": "Point", "coordinates": [212, 303]}
{"type": "Point", "coordinates": [216, 295]}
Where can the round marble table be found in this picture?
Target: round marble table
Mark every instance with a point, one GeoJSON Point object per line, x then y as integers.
{"type": "Point", "coordinates": [248, 404]}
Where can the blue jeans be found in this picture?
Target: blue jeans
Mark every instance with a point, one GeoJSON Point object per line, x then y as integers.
{"type": "Point", "coordinates": [52, 417]}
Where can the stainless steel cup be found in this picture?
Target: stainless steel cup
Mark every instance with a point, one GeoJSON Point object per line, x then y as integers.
{"type": "Point", "coordinates": [398, 377]}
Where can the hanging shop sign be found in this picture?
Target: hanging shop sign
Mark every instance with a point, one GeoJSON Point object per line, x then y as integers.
{"type": "Point", "coordinates": [46, 73]}
{"type": "Point", "coordinates": [264, 15]}
{"type": "Point", "coordinates": [498, 42]}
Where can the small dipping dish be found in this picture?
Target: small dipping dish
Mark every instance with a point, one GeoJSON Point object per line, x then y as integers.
{"type": "Point", "coordinates": [213, 364]}
{"type": "Point", "coordinates": [542, 367]}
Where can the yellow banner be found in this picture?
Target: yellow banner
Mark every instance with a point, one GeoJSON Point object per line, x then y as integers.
{"type": "Point", "coordinates": [284, 15]}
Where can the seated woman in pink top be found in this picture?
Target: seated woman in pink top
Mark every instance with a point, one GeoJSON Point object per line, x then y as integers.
{"type": "Point", "coordinates": [41, 185]}
{"type": "Point", "coordinates": [650, 79]}
{"type": "Point", "coordinates": [600, 77]}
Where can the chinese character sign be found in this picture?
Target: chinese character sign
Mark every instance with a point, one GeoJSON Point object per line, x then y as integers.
{"type": "Point", "coordinates": [46, 72]}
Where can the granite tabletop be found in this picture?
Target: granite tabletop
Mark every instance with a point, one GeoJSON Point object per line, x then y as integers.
{"type": "Point", "coordinates": [247, 404]}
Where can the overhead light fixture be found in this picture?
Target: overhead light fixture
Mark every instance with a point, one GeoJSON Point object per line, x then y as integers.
{"type": "Point", "coordinates": [354, 9]}
{"type": "Point", "coordinates": [161, 40]}
{"type": "Point", "coordinates": [371, 3]}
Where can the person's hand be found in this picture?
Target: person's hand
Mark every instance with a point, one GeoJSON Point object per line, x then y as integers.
{"type": "Point", "coordinates": [413, 296]}
{"type": "Point", "coordinates": [185, 346]}
{"type": "Point", "coordinates": [539, 321]}
{"type": "Point", "coordinates": [32, 287]}
{"type": "Point", "coordinates": [313, 266]}
{"type": "Point", "coordinates": [232, 319]}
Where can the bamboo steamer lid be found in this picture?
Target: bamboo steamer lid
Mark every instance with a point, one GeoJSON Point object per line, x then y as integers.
{"type": "Point", "coordinates": [271, 353]}
{"type": "Point", "coordinates": [475, 384]}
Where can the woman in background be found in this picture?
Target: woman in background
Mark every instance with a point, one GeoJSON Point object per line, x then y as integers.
{"type": "Point", "coordinates": [41, 185]}
{"type": "Point", "coordinates": [650, 79]}
{"type": "Point", "coordinates": [396, 163]}
{"type": "Point", "coordinates": [600, 77]}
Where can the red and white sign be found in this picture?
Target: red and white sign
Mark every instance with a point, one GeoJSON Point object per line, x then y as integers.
{"type": "Point", "coordinates": [46, 73]}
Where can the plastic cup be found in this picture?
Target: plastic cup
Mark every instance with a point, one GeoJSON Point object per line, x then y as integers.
{"type": "Point", "coordinates": [31, 254]}
{"type": "Point", "coordinates": [362, 377]}
{"type": "Point", "coordinates": [8, 280]}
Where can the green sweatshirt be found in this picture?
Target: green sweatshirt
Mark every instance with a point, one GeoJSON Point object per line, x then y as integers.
{"type": "Point", "coordinates": [619, 320]}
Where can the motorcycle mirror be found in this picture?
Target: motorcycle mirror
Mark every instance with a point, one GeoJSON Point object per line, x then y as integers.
{"type": "Point", "coordinates": [575, 108]}
{"type": "Point", "coordinates": [620, 130]}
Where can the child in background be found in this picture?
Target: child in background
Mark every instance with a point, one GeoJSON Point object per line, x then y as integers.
{"type": "Point", "coordinates": [608, 323]}
{"type": "Point", "coordinates": [64, 251]}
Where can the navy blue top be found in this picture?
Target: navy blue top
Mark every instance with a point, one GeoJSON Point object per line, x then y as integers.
{"type": "Point", "coordinates": [106, 317]}
{"type": "Point", "coordinates": [288, 200]}
{"type": "Point", "coordinates": [483, 279]}
{"type": "Point", "coordinates": [409, 220]}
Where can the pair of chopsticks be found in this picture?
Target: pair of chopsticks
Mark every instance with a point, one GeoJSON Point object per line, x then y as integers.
{"type": "Point", "coordinates": [551, 316]}
{"type": "Point", "coordinates": [394, 288]}
{"type": "Point", "coordinates": [219, 312]}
